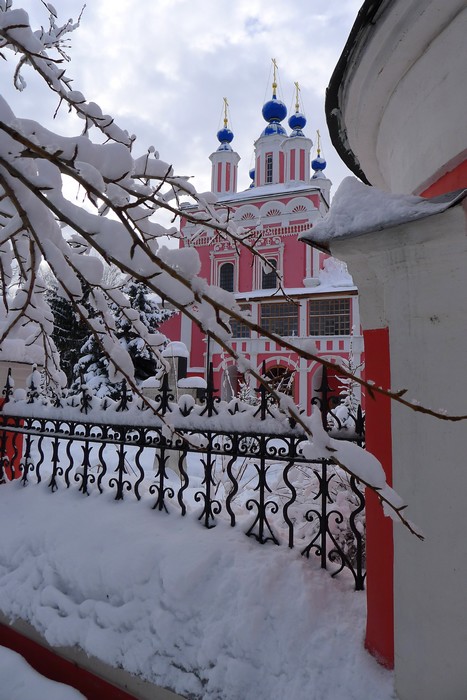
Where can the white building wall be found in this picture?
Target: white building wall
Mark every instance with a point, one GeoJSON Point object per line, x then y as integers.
{"type": "Point", "coordinates": [388, 94]}
{"type": "Point", "coordinates": [413, 280]}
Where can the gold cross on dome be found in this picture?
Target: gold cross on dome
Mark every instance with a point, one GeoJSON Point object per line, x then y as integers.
{"type": "Point", "coordinates": [274, 80]}
{"type": "Point", "coordinates": [297, 101]}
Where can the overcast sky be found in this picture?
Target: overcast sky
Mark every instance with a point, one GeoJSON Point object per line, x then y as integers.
{"type": "Point", "coordinates": [162, 68]}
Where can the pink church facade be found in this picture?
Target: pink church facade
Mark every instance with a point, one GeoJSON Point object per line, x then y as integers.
{"type": "Point", "coordinates": [315, 297]}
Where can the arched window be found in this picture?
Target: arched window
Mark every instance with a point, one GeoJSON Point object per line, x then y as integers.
{"type": "Point", "coordinates": [281, 379]}
{"type": "Point", "coordinates": [226, 276]}
{"type": "Point", "coordinates": [269, 278]}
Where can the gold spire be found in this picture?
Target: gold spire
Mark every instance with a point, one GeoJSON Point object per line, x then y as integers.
{"type": "Point", "coordinates": [297, 100]}
{"type": "Point", "coordinates": [226, 120]}
{"type": "Point", "coordinates": [274, 80]}
{"type": "Point", "coordinates": [318, 142]}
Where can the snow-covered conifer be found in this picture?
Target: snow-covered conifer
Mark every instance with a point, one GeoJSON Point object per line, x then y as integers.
{"type": "Point", "coordinates": [69, 331]}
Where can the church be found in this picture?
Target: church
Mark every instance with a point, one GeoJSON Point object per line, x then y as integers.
{"type": "Point", "coordinates": [292, 290]}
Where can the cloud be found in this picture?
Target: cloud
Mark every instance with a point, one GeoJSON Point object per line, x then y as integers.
{"type": "Point", "coordinates": [163, 68]}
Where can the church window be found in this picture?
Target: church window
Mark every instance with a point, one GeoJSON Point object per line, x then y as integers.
{"type": "Point", "coordinates": [329, 317]}
{"type": "Point", "coordinates": [268, 168]}
{"type": "Point", "coordinates": [239, 329]}
{"type": "Point", "coordinates": [281, 379]}
{"type": "Point", "coordinates": [280, 318]}
{"type": "Point", "coordinates": [226, 277]}
{"type": "Point", "coordinates": [268, 276]}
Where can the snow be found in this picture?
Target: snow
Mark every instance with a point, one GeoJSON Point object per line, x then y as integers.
{"type": "Point", "coordinates": [264, 191]}
{"type": "Point", "coordinates": [18, 681]}
{"type": "Point", "coordinates": [335, 274]}
{"type": "Point", "coordinates": [17, 350]}
{"type": "Point", "coordinates": [192, 383]}
{"type": "Point", "coordinates": [357, 209]}
{"type": "Point", "coordinates": [328, 284]}
{"type": "Point", "coordinates": [175, 349]}
{"type": "Point", "coordinates": [209, 613]}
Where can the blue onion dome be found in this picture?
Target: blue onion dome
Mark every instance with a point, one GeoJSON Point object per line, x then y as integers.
{"type": "Point", "coordinates": [274, 111]}
{"type": "Point", "coordinates": [225, 136]}
{"type": "Point", "coordinates": [296, 122]}
{"type": "Point", "coordinates": [318, 164]}
{"type": "Point", "coordinates": [252, 175]}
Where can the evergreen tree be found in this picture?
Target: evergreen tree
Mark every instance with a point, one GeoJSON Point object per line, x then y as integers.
{"type": "Point", "coordinates": [69, 332]}
{"type": "Point", "coordinates": [151, 315]}
{"type": "Point", "coordinates": [93, 366]}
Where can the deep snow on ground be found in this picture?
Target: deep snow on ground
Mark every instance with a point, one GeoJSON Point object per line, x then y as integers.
{"type": "Point", "coordinates": [208, 613]}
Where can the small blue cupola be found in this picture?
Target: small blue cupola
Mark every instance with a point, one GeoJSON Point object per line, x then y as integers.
{"type": "Point", "coordinates": [297, 121]}
{"type": "Point", "coordinates": [318, 164]}
{"type": "Point", "coordinates": [224, 160]}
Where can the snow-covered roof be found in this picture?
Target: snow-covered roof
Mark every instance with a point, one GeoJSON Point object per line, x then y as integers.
{"type": "Point", "coordinates": [176, 349]}
{"type": "Point", "coordinates": [20, 350]}
{"type": "Point", "coordinates": [274, 295]}
{"type": "Point", "coordinates": [358, 209]}
{"type": "Point", "coordinates": [266, 190]}
{"type": "Point", "coordinates": [192, 383]}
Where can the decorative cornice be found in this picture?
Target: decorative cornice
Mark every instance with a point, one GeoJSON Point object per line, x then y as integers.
{"type": "Point", "coordinates": [219, 243]}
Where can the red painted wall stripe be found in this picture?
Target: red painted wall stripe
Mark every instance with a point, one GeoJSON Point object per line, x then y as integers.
{"type": "Point", "coordinates": [302, 164]}
{"type": "Point", "coordinates": [379, 638]}
{"type": "Point", "coordinates": [227, 177]}
{"type": "Point", "coordinates": [219, 177]}
{"type": "Point", "coordinates": [11, 446]}
{"type": "Point", "coordinates": [455, 179]}
{"type": "Point", "coordinates": [292, 164]}
{"type": "Point", "coordinates": [58, 669]}
{"type": "Point", "coordinates": [281, 167]}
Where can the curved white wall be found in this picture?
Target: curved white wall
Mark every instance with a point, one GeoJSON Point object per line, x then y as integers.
{"type": "Point", "coordinates": [405, 93]}
{"type": "Point", "coordinates": [412, 280]}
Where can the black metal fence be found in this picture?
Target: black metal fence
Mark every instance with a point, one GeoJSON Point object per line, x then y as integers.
{"type": "Point", "coordinates": [251, 462]}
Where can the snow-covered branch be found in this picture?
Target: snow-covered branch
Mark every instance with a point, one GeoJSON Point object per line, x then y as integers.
{"type": "Point", "coordinates": [40, 220]}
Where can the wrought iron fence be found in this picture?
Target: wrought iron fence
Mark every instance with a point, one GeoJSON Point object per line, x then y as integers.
{"type": "Point", "coordinates": [313, 505]}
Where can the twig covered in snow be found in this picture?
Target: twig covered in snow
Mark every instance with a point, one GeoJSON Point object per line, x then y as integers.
{"type": "Point", "coordinates": [123, 193]}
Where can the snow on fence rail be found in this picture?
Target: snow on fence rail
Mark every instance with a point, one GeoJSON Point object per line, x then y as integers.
{"type": "Point", "coordinates": [228, 460]}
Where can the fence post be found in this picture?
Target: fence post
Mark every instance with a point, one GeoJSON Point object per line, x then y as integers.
{"type": "Point", "coordinates": [11, 444]}
{"type": "Point", "coordinates": [211, 507]}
